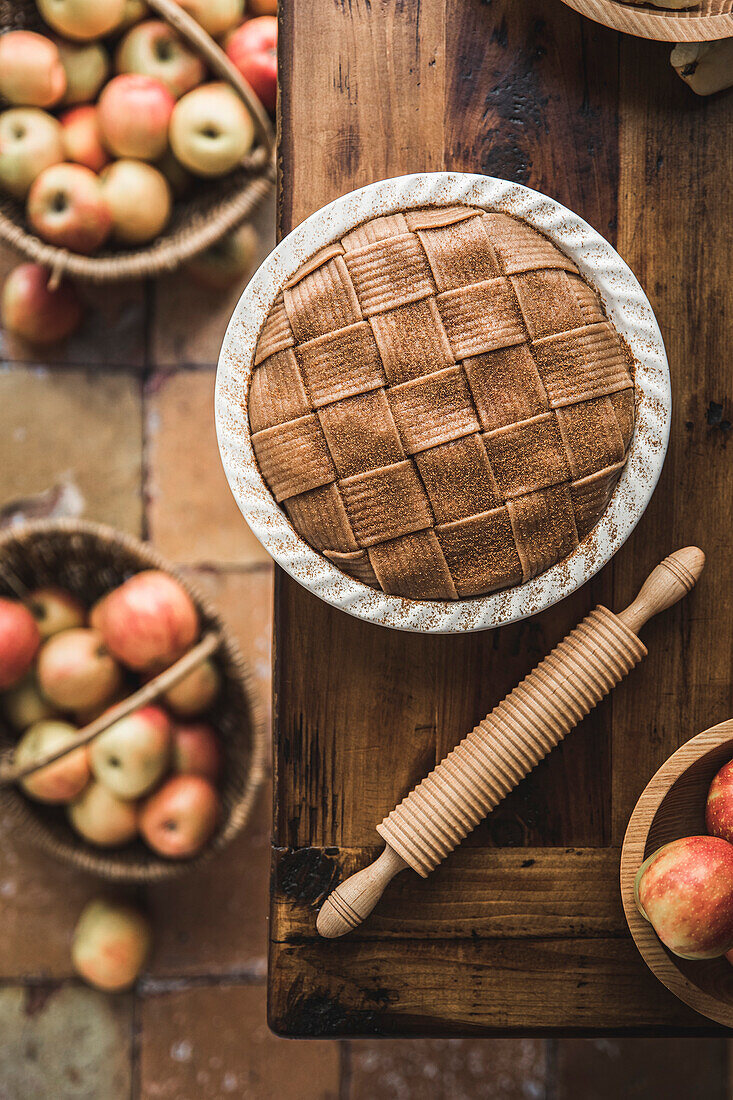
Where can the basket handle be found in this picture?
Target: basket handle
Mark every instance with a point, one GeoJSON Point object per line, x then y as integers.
{"type": "Point", "coordinates": [11, 773]}
{"type": "Point", "coordinates": [196, 37]}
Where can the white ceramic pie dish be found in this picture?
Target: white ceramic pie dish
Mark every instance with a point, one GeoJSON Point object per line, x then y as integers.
{"type": "Point", "coordinates": [626, 305]}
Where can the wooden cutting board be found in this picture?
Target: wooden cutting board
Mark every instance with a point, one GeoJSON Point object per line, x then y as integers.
{"type": "Point", "coordinates": [522, 928]}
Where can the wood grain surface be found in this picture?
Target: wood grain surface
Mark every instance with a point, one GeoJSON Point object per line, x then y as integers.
{"type": "Point", "coordinates": [533, 93]}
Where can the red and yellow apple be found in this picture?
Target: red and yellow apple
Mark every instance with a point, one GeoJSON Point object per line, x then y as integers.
{"type": "Point", "coordinates": [178, 819]}
{"type": "Point", "coordinates": [23, 705]}
{"type": "Point", "coordinates": [55, 609]}
{"type": "Point", "coordinates": [133, 754]}
{"type": "Point", "coordinates": [19, 641]}
{"type": "Point", "coordinates": [253, 49]}
{"type": "Point", "coordinates": [76, 671]}
{"type": "Point", "coordinates": [86, 65]}
{"type": "Point", "coordinates": [134, 113]}
{"type": "Point", "coordinates": [30, 141]}
{"type": "Point", "coordinates": [111, 944]}
{"type": "Point", "coordinates": [154, 49]}
{"type": "Point", "coordinates": [30, 309]}
{"type": "Point", "coordinates": [227, 263]}
{"type": "Point", "coordinates": [82, 138]}
{"type": "Point", "coordinates": [685, 891]}
{"type": "Point", "coordinates": [139, 198]}
{"type": "Point", "coordinates": [31, 73]}
{"type": "Point", "coordinates": [211, 130]}
{"type": "Point", "coordinates": [65, 778]}
{"type": "Point", "coordinates": [135, 10]}
{"type": "Point", "coordinates": [148, 622]}
{"type": "Point", "coordinates": [719, 806]}
{"type": "Point", "coordinates": [196, 692]}
{"type": "Point", "coordinates": [215, 16]}
{"type": "Point", "coordinates": [66, 207]}
{"type": "Point", "coordinates": [196, 751]}
{"type": "Point", "coordinates": [102, 818]}
{"type": "Point", "coordinates": [81, 20]}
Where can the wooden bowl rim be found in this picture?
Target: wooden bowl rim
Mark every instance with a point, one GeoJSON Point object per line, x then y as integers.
{"type": "Point", "coordinates": [690, 26]}
{"type": "Point", "coordinates": [655, 955]}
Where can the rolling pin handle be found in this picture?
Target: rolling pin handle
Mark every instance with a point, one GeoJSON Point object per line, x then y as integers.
{"type": "Point", "coordinates": [353, 900]}
{"type": "Point", "coordinates": [669, 582]}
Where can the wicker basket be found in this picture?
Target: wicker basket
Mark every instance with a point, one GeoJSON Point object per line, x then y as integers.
{"type": "Point", "coordinates": [89, 559]}
{"type": "Point", "coordinates": [211, 211]}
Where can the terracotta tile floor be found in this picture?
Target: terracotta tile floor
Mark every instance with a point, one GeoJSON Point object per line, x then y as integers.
{"type": "Point", "coordinates": [121, 421]}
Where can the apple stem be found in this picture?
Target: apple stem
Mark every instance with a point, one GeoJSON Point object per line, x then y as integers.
{"type": "Point", "coordinates": [10, 773]}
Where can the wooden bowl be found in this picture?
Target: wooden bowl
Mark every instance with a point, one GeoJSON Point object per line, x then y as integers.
{"type": "Point", "coordinates": [212, 209]}
{"type": "Point", "coordinates": [708, 20]}
{"type": "Point", "coordinates": [89, 559]}
{"type": "Point", "coordinates": [673, 806]}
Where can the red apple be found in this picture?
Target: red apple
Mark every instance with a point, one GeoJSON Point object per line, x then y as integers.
{"type": "Point", "coordinates": [154, 49]}
{"type": "Point", "coordinates": [215, 16]}
{"type": "Point", "coordinates": [196, 751]}
{"type": "Point", "coordinates": [82, 19]}
{"type": "Point", "coordinates": [196, 692]}
{"type": "Point", "coordinates": [719, 808]}
{"type": "Point", "coordinates": [30, 141]}
{"type": "Point", "coordinates": [148, 622]}
{"type": "Point", "coordinates": [66, 207]}
{"type": "Point", "coordinates": [19, 641]}
{"type": "Point", "coordinates": [57, 782]}
{"type": "Point", "coordinates": [31, 310]}
{"type": "Point", "coordinates": [134, 113]}
{"type": "Point", "coordinates": [24, 705]}
{"type": "Point", "coordinates": [140, 200]}
{"type": "Point", "coordinates": [75, 671]}
{"type": "Point", "coordinates": [31, 73]}
{"type": "Point", "coordinates": [253, 49]}
{"type": "Point", "coordinates": [111, 944]}
{"type": "Point", "coordinates": [179, 818]}
{"type": "Point", "coordinates": [55, 609]}
{"type": "Point", "coordinates": [82, 138]}
{"type": "Point", "coordinates": [685, 891]}
{"type": "Point", "coordinates": [211, 130]}
{"type": "Point", "coordinates": [227, 263]}
{"type": "Point", "coordinates": [102, 818]}
{"type": "Point", "coordinates": [133, 754]}
{"type": "Point", "coordinates": [86, 65]}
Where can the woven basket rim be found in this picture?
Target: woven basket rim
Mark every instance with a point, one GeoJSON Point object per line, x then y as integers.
{"type": "Point", "coordinates": [249, 187]}
{"type": "Point", "coordinates": [102, 862]}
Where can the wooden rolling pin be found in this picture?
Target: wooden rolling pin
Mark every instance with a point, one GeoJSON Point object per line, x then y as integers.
{"type": "Point", "coordinates": [510, 742]}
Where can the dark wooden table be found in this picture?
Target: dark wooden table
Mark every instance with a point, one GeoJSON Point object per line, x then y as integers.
{"type": "Point", "coordinates": [521, 930]}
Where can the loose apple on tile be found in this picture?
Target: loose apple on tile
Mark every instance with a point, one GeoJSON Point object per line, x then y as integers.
{"type": "Point", "coordinates": [211, 130]}
{"type": "Point", "coordinates": [148, 622]}
{"type": "Point", "coordinates": [66, 207]}
{"type": "Point", "coordinates": [685, 891]}
{"type": "Point", "coordinates": [178, 819]}
{"type": "Point", "coordinates": [30, 309]}
{"type": "Point", "coordinates": [102, 818]}
{"type": "Point", "coordinates": [81, 20]}
{"type": "Point", "coordinates": [253, 49]}
{"type": "Point", "coordinates": [196, 751]}
{"type": "Point", "coordinates": [111, 944]}
{"type": "Point", "coordinates": [31, 73]}
{"type": "Point", "coordinates": [86, 65]}
{"type": "Point", "coordinates": [154, 49]}
{"type": "Point", "coordinates": [195, 693]}
{"type": "Point", "coordinates": [76, 670]}
{"type": "Point", "coordinates": [55, 610]}
{"type": "Point", "coordinates": [65, 778]}
{"type": "Point", "coordinates": [19, 641]}
{"type": "Point", "coordinates": [139, 199]}
{"type": "Point", "coordinates": [132, 755]}
{"type": "Point", "coordinates": [134, 113]}
{"type": "Point", "coordinates": [31, 140]}
{"type": "Point", "coordinates": [82, 137]}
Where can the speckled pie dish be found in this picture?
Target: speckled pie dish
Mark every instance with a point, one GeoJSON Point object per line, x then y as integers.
{"type": "Point", "coordinates": [582, 253]}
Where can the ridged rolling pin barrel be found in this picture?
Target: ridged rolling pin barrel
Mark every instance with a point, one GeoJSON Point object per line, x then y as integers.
{"type": "Point", "coordinates": [510, 742]}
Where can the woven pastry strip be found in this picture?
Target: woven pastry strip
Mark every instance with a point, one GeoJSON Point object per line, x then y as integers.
{"type": "Point", "coordinates": [440, 403]}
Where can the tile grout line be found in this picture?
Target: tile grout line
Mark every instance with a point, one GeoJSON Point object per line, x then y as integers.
{"type": "Point", "coordinates": [345, 1069]}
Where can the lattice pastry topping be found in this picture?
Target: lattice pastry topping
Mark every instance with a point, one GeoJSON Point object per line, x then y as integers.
{"type": "Point", "coordinates": [440, 403]}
